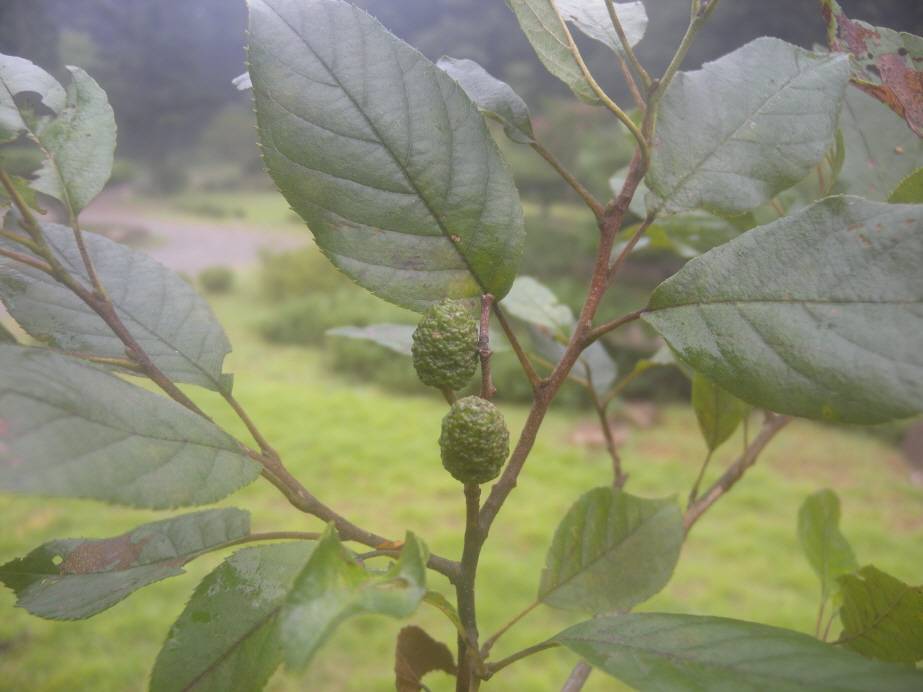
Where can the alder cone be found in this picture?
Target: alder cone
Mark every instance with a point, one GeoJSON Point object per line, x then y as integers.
{"type": "Point", "coordinates": [445, 346]}
{"type": "Point", "coordinates": [474, 441]}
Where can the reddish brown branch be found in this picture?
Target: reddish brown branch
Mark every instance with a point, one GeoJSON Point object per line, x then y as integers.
{"type": "Point", "coordinates": [609, 227]}
{"type": "Point", "coordinates": [527, 367]}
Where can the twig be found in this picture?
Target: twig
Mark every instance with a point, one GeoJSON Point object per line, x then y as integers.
{"type": "Point", "coordinates": [595, 206]}
{"type": "Point", "coordinates": [627, 48]}
{"type": "Point", "coordinates": [619, 262]}
{"type": "Point", "coordinates": [21, 240]}
{"type": "Point", "coordinates": [547, 389]}
{"type": "Point", "coordinates": [449, 396]}
{"type": "Point", "coordinates": [527, 367]}
{"type": "Point", "coordinates": [26, 259]}
{"type": "Point", "coordinates": [85, 255]}
{"type": "Point", "coordinates": [774, 423]}
{"type": "Point", "coordinates": [694, 493]}
{"type": "Point", "coordinates": [699, 13]}
{"type": "Point", "coordinates": [492, 668]}
{"type": "Point", "coordinates": [494, 638]}
{"type": "Point", "coordinates": [299, 496]}
{"type": "Point", "coordinates": [612, 325]}
{"type": "Point", "coordinates": [484, 353]}
{"type": "Point", "coordinates": [603, 96]}
{"type": "Point", "coordinates": [578, 677]}
{"type": "Point", "coordinates": [250, 425]}
{"type": "Point", "coordinates": [467, 679]}
{"type": "Point", "coordinates": [820, 617]}
{"type": "Point", "coordinates": [632, 84]}
{"type": "Point", "coordinates": [618, 476]}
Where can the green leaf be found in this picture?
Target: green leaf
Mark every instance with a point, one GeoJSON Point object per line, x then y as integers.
{"type": "Point", "coordinates": [882, 616]}
{"type": "Point", "coordinates": [910, 191]}
{"type": "Point", "coordinates": [333, 586]}
{"type": "Point", "coordinates": [611, 551]}
{"type": "Point", "coordinates": [825, 546]}
{"type": "Point", "coordinates": [592, 18]}
{"type": "Point", "coordinates": [78, 145]}
{"type": "Point", "coordinates": [171, 322]}
{"type": "Point", "coordinates": [885, 63]}
{"type": "Point", "coordinates": [880, 149]}
{"type": "Point", "coordinates": [72, 430]}
{"type": "Point", "coordinates": [552, 43]}
{"type": "Point", "coordinates": [227, 638]}
{"type": "Point", "coordinates": [719, 412]}
{"type": "Point", "coordinates": [531, 301]}
{"type": "Point", "coordinates": [677, 653]}
{"type": "Point", "coordinates": [745, 127]}
{"type": "Point", "coordinates": [817, 314]}
{"type": "Point", "coordinates": [395, 337]}
{"type": "Point", "coordinates": [496, 99]}
{"type": "Point", "coordinates": [383, 154]}
{"type": "Point", "coordinates": [444, 606]}
{"type": "Point", "coordinates": [18, 76]}
{"type": "Point", "coordinates": [76, 578]}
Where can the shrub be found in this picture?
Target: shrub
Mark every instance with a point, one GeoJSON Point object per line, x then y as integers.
{"type": "Point", "coordinates": [216, 279]}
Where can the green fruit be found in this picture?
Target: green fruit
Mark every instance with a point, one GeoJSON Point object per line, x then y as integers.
{"type": "Point", "coordinates": [474, 441]}
{"type": "Point", "coordinates": [445, 346]}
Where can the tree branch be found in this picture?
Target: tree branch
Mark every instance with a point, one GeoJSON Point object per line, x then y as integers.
{"type": "Point", "coordinates": [27, 260]}
{"type": "Point", "coordinates": [619, 262]}
{"type": "Point", "coordinates": [773, 424]}
{"type": "Point", "coordinates": [492, 668]}
{"type": "Point", "coordinates": [618, 475]}
{"type": "Point", "coordinates": [595, 206]}
{"type": "Point", "coordinates": [604, 97]}
{"type": "Point", "coordinates": [627, 47]}
{"type": "Point", "coordinates": [698, 14]}
{"type": "Point", "coordinates": [578, 677]}
{"type": "Point", "coordinates": [468, 656]}
{"type": "Point", "coordinates": [612, 325]}
{"type": "Point", "coordinates": [527, 367]}
{"type": "Point", "coordinates": [547, 389]}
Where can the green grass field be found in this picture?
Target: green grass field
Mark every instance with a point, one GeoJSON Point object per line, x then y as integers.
{"type": "Point", "coordinates": [375, 458]}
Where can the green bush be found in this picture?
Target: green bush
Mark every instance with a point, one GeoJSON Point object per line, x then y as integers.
{"type": "Point", "coordinates": [300, 273]}
{"type": "Point", "coordinates": [216, 280]}
{"type": "Point", "coordinates": [304, 321]}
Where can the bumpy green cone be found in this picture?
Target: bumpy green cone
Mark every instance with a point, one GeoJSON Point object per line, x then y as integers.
{"type": "Point", "coordinates": [445, 346]}
{"type": "Point", "coordinates": [474, 440]}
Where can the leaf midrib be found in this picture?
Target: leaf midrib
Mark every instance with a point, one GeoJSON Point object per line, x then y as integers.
{"type": "Point", "coordinates": [446, 232]}
{"type": "Point", "coordinates": [750, 118]}
{"type": "Point", "coordinates": [587, 566]}
{"type": "Point", "coordinates": [687, 657]}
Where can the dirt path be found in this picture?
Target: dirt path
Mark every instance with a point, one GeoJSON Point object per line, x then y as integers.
{"type": "Point", "coordinates": [187, 244]}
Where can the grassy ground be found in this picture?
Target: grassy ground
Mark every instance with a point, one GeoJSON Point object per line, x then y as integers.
{"type": "Point", "coordinates": [375, 457]}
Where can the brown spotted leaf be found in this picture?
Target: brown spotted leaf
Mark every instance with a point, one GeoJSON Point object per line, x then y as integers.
{"type": "Point", "coordinates": [75, 578]}
{"type": "Point", "coordinates": [886, 64]}
{"type": "Point", "coordinates": [417, 654]}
